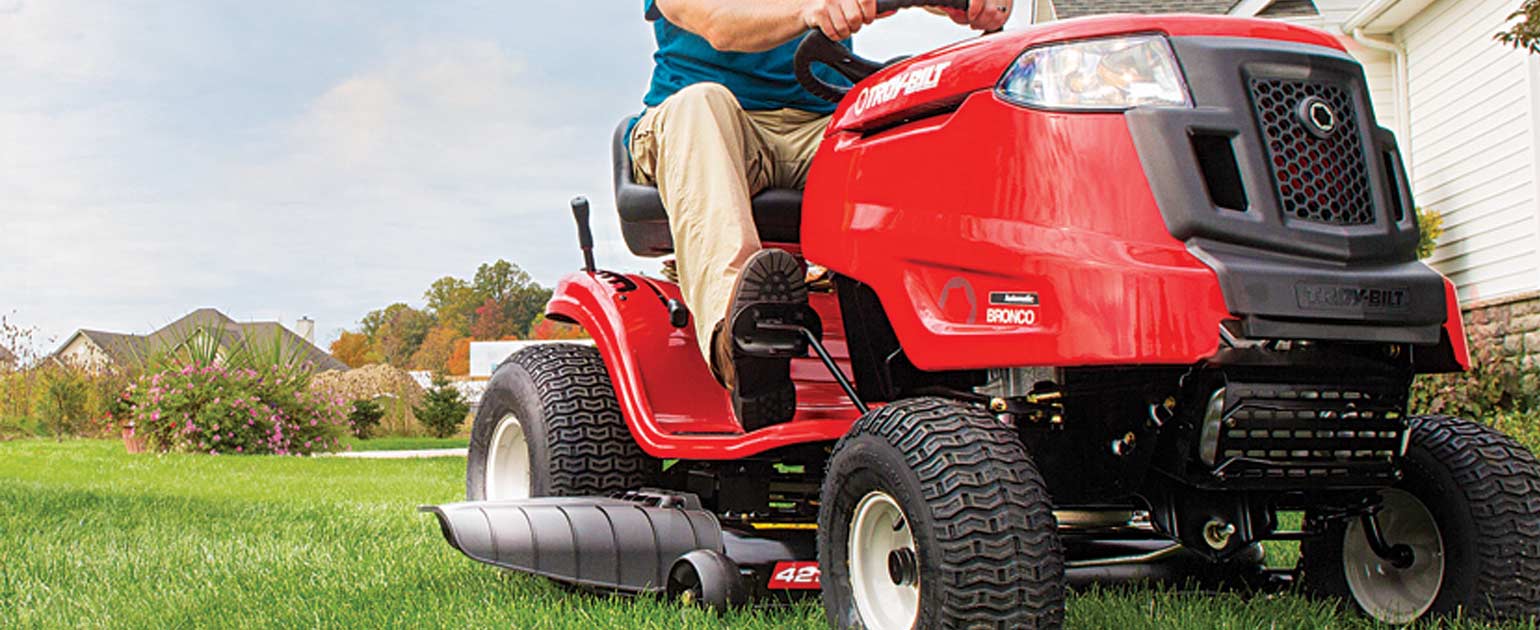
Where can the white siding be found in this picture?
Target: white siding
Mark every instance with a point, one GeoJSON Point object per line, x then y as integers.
{"type": "Point", "coordinates": [1380, 71]}
{"type": "Point", "coordinates": [1471, 145]}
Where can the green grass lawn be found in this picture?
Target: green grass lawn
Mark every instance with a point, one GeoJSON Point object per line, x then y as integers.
{"type": "Point", "coordinates": [90, 536]}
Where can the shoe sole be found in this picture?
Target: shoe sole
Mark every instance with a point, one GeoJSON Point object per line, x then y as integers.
{"type": "Point", "coordinates": [765, 394]}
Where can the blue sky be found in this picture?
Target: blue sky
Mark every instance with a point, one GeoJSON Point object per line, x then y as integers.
{"type": "Point", "coordinates": [287, 158]}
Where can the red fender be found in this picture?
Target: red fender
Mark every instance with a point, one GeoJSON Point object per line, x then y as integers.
{"type": "Point", "coordinates": [1454, 326]}
{"type": "Point", "coordinates": [671, 402]}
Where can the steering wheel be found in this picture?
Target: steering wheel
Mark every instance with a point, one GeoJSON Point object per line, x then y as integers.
{"type": "Point", "coordinates": [818, 48]}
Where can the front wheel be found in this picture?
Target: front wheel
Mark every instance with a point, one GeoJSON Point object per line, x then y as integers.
{"type": "Point", "coordinates": [933, 516]}
{"type": "Point", "coordinates": [1461, 524]}
{"type": "Point", "coordinates": [550, 425]}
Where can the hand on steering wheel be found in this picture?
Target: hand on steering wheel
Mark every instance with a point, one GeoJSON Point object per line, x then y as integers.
{"type": "Point", "coordinates": [839, 19]}
{"type": "Point", "coordinates": [984, 15]}
{"type": "Point", "coordinates": [820, 46]}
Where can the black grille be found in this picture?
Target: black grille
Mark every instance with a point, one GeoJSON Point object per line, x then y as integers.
{"type": "Point", "coordinates": [1321, 177]}
{"type": "Point", "coordinates": [1330, 434]}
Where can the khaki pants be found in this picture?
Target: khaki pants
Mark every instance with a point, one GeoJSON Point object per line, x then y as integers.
{"type": "Point", "coordinates": [708, 157]}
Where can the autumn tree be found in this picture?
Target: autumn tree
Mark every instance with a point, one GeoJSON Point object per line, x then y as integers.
{"type": "Point", "coordinates": [397, 331]}
{"type": "Point", "coordinates": [355, 350]}
{"type": "Point", "coordinates": [491, 321]}
{"type": "Point", "coordinates": [460, 359]}
{"type": "Point", "coordinates": [453, 303]}
{"type": "Point", "coordinates": [434, 352]}
{"type": "Point", "coordinates": [521, 297]}
{"type": "Point", "coordinates": [500, 301]}
{"type": "Point", "coordinates": [1525, 33]}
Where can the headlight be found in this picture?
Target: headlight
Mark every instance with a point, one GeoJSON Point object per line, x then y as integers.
{"type": "Point", "coordinates": [1100, 74]}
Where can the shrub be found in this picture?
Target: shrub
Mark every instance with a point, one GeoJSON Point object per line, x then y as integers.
{"type": "Point", "coordinates": [1494, 384]}
{"type": "Point", "coordinates": [208, 408]}
{"type": "Point", "coordinates": [1430, 228]}
{"type": "Point", "coordinates": [1523, 426]}
{"type": "Point", "coordinates": [61, 401]}
{"type": "Point", "coordinates": [442, 409]}
{"type": "Point", "coordinates": [364, 417]}
{"type": "Point", "coordinates": [202, 345]}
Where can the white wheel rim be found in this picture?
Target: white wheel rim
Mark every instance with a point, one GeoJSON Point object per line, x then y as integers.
{"type": "Point", "coordinates": [878, 530]}
{"type": "Point", "coordinates": [1386, 592]}
{"type": "Point", "coordinates": [508, 461]}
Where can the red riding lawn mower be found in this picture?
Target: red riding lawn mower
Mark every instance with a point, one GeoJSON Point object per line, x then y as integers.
{"type": "Point", "coordinates": [1109, 295]}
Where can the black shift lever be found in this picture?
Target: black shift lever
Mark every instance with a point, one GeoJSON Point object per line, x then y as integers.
{"type": "Point", "coordinates": [585, 234]}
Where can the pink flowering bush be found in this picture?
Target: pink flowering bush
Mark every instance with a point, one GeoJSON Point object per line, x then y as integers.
{"type": "Point", "coordinates": [211, 409]}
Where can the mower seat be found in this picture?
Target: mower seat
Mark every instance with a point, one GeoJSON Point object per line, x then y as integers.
{"type": "Point", "coordinates": [644, 223]}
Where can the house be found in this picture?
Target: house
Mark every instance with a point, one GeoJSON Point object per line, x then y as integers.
{"type": "Point", "coordinates": [1465, 109]}
{"type": "Point", "coordinates": [206, 331]}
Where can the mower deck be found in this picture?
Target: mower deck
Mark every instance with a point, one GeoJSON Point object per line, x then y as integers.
{"type": "Point", "coordinates": [631, 545]}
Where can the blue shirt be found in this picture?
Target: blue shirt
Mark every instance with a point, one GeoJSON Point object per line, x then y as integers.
{"type": "Point", "coordinates": [761, 81]}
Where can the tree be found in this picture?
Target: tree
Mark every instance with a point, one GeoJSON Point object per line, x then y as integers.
{"type": "Point", "coordinates": [453, 302]}
{"type": "Point", "coordinates": [460, 359]}
{"type": "Point", "coordinates": [442, 409]}
{"type": "Point", "coordinates": [1525, 34]}
{"type": "Point", "coordinates": [491, 321]}
{"type": "Point", "coordinates": [364, 417]}
{"type": "Point", "coordinates": [398, 330]}
{"type": "Point", "coordinates": [355, 350]}
{"type": "Point", "coordinates": [500, 280]}
{"type": "Point", "coordinates": [527, 305]}
{"type": "Point", "coordinates": [520, 296]}
{"type": "Point", "coordinates": [434, 352]}
{"type": "Point", "coordinates": [543, 328]}
{"type": "Point", "coordinates": [61, 401]}
{"type": "Point", "coordinates": [372, 322]}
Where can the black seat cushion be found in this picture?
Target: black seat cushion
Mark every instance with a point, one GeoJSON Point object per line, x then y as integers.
{"type": "Point", "coordinates": [644, 223]}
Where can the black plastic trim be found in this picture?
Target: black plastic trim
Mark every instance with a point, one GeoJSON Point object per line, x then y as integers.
{"type": "Point", "coordinates": [1282, 276]}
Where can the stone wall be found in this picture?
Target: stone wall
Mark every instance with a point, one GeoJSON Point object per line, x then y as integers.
{"type": "Point", "coordinates": [1511, 323]}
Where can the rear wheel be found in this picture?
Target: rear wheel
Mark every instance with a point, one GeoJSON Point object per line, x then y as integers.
{"type": "Point", "coordinates": [933, 516]}
{"type": "Point", "coordinates": [549, 425]}
{"type": "Point", "coordinates": [1465, 512]}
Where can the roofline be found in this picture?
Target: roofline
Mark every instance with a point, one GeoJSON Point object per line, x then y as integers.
{"type": "Point", "coordinates": [69, 340]}
{"type": "Point", "coordinates": [1379, 17]}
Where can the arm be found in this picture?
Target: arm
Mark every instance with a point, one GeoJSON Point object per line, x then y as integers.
{"type": "Point", "coordinates": [759, 25]}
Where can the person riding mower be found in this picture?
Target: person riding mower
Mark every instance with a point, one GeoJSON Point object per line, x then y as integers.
{"type": "Point", "coordinates": [1111, 298]}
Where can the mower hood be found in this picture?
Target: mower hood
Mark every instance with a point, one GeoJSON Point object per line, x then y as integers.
{"type": "Point", "coordinates": [938, 81]}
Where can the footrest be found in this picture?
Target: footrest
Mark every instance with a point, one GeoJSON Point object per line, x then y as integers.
{"type": "Point", "coordinates": [774, 331]}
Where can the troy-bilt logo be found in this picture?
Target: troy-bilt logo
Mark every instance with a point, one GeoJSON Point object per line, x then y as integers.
{"type": "Point", "coordinates": [916, 79]}
{"type": "Point", "coordinates": [1342, 297]}
{"type": "Point", "coordinates": [797, 575]}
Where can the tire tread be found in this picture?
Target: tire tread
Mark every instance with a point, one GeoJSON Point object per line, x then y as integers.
{"type": "Point", "coordinates": [592, 451]}
{"type": "Point", "coordinates": [1000, 551]}
{"type": "Point", "coordinates": [1501, 483]}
